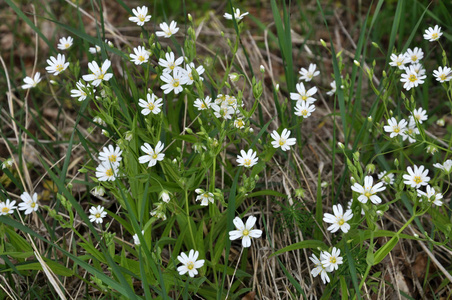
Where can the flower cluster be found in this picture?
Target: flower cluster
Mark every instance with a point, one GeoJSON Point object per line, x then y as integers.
{"type": "Point", "coordinates": [29, 204]}
{"type": "Point", "coordinates": [327, 263]}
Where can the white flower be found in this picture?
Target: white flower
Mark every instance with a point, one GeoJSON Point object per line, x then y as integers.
{"type": "Point", "coordinates": [152, 156]}
{"type": "Point", "coordinates": [411, 78]}
{"type": "Point", "coordinates": [395, 128]}
{"type": "Point", "coordinates": [152, 105]}
{"type": "Point", "coordinates": [170, 63]}
{"type": "Point", "coordinates": [65, 43]}
{"type": "Point", "coordinates": [203, 104]}
{"type": "Point", "coordinates": [368, 190]}
{"type": "Point", "coordinates": [245, 231]}
{"type": "Point", "coordinates": [94, 50]}
{"type": "Point", "coordinates": [446, 166]}
{"type": "Point", "coordinates": [333, 88]}
{"type": "Point", "coordinates": [304, 109]}
{"type": "Point", "coordinates": [442, 74]}
{"type": "Point", "coordinates": [174, 82]}
{"type": "Point", "coordinates": [165, 196]}
{"type": "Point", "coordinates": [410, 131]}
{"type": "Point", "coordinates": [247, 159]}
{"type": "Point", "coordinates": [414, 55]}
{"type": "Point", "coordinates": [57, 65]}
{"type": "Point", "coordinates": [204, 196]}
{"type": "Point", "coordinates": [307, 75]}
{"type": "Point", "coordinates": [319, 269]}
{"type": "Point", "coordinates": [110, 154]}
{"type": "Point", "coordinates": [189, 263]}
{"type": "Point", "coordinates": [80, 92]}
{"type": "Point", "coordinates": [167, 31]}
{"type": "Point", "coordinates": [432, 34]}
{"type": "Point", "coordinates": [282, 140]}
{"type": "Point", "coordinates": [303, 95]}
{"type": "Point", "coordinates": [188, 72]}
{"type": "Point", "coordinates": [416, 178]}
{"type": "Point", "coordinates": [97, 214]}
{"type": "Point", "coordinates": [386, 178]}
{"type": "Point", "coordinates": [29, 204]}
{"type": "Point", "coordinates": [107, 171]}
{"type": "Point", "coordinates": [238, 123]}
{"type": "Point", "coordinates": [136, 239]}
{"type": "Point", "coordinates": [98, 120]}
{"type": "Point", "coordinates": [141, 55]}
{"type": "Point", "coordinates": [237, 14]}
{"type": "Point", "coordinates": [141, 15]}
{"type": "Point", "coordinates": [418, 68]}
{"type": "Point", "coordinates": [98, 73]}
{"type": "Point", "coordinates": [420, 115]}
{"type": "Point", "coordinates": [225, 112]}
{"type": "Point", "coordinates": [339, 219]}
{"type": "Point", "coordinates": [7, 208]}
{"type": "Point", "coordinates": [98, 191]}
{"type": "Point", "coordinates": [398, 60]}
{"type": "Point", "coordinates": [331, 261]}
{"type": "Point", "coordinates": [432, 195]}
{"type": "Point", "coordinates": [31, 82]}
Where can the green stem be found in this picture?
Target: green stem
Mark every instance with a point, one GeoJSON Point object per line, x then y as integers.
{"type": "Point", "coordinates": [188, 219]}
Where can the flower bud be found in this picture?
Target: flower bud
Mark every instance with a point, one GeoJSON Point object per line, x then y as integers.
{"type": "Point", "coordinates": [323, 43]}
{"type": "Point", "coordinates": [262, 68]}
{"type": "Point", "coordinates": [128, 136]}
{"type": "Point", "coordinates": [440, 122]}
{"type": "Point", "coordinates": [53, 82]}
{"type": "Point", "coordinates": [356, 63]}
{"type": "Point", "coordinates": [165, 196]}
{"type": "Point", "coordinates": [370, 168]}
{"type": "Point", "coordinates": [277, 87]}
{"type": "Point", "coordinates": [340, 145]}
{"type": "Point", "coordinates": [98, 191]}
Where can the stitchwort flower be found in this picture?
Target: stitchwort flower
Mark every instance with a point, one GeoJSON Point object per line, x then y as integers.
{"type": "Point", "coordinates": [431, 195]}
{"type": "Point", "coordinates": [417, 177]}
{"type": "Point", "coordinates": [368, 190]}
{"type": "Point", "coordinates": [331, 261]}
{"type": "Point", "coordinates": [204, 196]}
{"type": "Point", "coordinates": [140, 15]}
{"type": "Point", "coordinates": [65, 43]}
{"type": "Point", "coordinates": [29, 204]}
{"type": "Point", "coordinates": [167, 31]}
{"type": "Point", "coordinates": [152, 156]}
{"type": "Point", "coordinates": [308, 75]}
{"type": "Point", "coordinates": [97, 214]}
{"type": "Point", "coordinates": [110, 154]}
{"type": "Point", "coordinates": [151, 105]}
{"type": "Point", "coordinates": [247, 159]}
{"type": "Point", "coordinates": [7, 207]}
{"type": "Point", "coordinates": [282, 140]}
{"type": "Point", "coordinates": [339, 219]}
{"type": "Point", "coordinates": [433, 34]}
{"type": "Point", "coordinates": [57, 65]}
{"type": "Point", "coordinates": [140, 55]}
{"type": "Point", "coordinates": [32, 82]}
{"type": "Point", "coordinates": [319, 269]}
{"type": "Point", "coordinates": [245, 231]}
{"type": "Point", "coordinates": [190, 263]}
{"type": "Point", "coordinates": [98, 73]}
{"type": "Point", "coordinates": [394, 127]}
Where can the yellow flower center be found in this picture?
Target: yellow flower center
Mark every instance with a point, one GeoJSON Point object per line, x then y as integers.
{"type": "Point", "coordinates": [109, 172]}
{"type": "Point", "coordinates": [155, 156]}
{"type": "Point", "coordinates": [414, 58]}
{"type": "Point", "coordinates": [417, 179]}
{"type": "Point", "coordinates": [101, 76]}
{"type": "Point", "coordinates": [151, 106]}
{"type": "Point", "coordinates": [399, 63]}
{"type": "Point", "coordinates": [141, 58]}
{"type": "Point", "coordinates": [333, 260]}
{"type": "Point", "coordinates": [341, 222]}
{"type": "Point", "coordinates": [59, 68]}
{"type": "Point", "coordinates": [367, 194]}
{"type": "Point", "coordinates": [304, 97]}
{"type": "Point", "coordinates": [282, 142]}
{"type": "Point", "coordinates": [67, 45]}
{"type": "Point", "coordinates": [172, 66]}
{"type": "Point", "coordinates": [190, 265]}
{"type": "Point", "coordinates": [33, 204]}
{"type": "Point", "coordinates": [245, 232]}
{"type": "Point", "coordinates": [176, 82]}
{"type": "Point", "coordinates": [434, 35]}
{"type": "Point", "coordinates": [396, 129]}
{"type": "Point", "coordinates": [5, 210]}
{"type": "Point", "coordinates": [205, 195]}
{"type": "Point", "coordinates": [239, 123]}
{"type": "Point", "coordinates": [247, 162]}
{"type": "Point", "coordinates": [98, 215]}
{"type": "Point", "coordinates": [112, 158]}
{"type": "Point", "coordinates": [442, 77]}
{"type": "Point", "coordinates": [141, 18]}
{"type": "Point", "coordinates": [412, 78]}
{"type": "Point", "coordinates": [304, 112]}
{"type": "Point", "coordinates": [203, 105]}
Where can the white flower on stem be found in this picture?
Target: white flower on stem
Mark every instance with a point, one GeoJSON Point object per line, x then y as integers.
{"type": "Point", "coordinates": [368, 190]}
{"type": "Point", "coordinates": [331, 261]}
{"type": "Point", "coordinates": [98, 73]}
{"type": "Point", "coordinates": [238, 123]}
{"type": "Point", "coordinates": [80, 92]}
{"type": "Point", "coordinates": [319, 269]}
{"type": "Point", "coordinates": [411, 78]}
{"type": "Point", "coordinates": [245, 231]}
{"type": "Point", "coordinates": [136, 239]}
{"type": "Point", "coordinates": [414, 55]}
{"type": "Point", "coordinates": [173, 82]}
{"type": "Point", "coordinates": [151, 105]}
{"type": "Point", "coordinates": [420, 115]}
{"type": "Point", "coordinates": [7, 207]}
{"type": "Point", "coordinates": [237, 14]}
{"type": "Point", "coordinates": [107, 171]}
{"type": "Point", "coordinates": [204, 196]}
{"type": "Point", "coordinates": [303, 95]}
{"type": "Point", "coordinates": [188, 72]}
{"type": "Point", "coordinates": [170, 63]}
{"type": "Point", "coordinates": [431, 195]}
{"type": "Point", "coordinates": [410, 131]}
{"type": "Point", "coordinates": [203, 104]}
{"type": "Point", "coordinates": [31, 82]}
{"type": "Point", "coordinates": [165, 196]}
{"type": "Point", "coordinates": [339, 219]}
{"type": "Point", "coordinates": [97, 214]}
{"type": "Point", "coordinates": [308, 75]}
{"type": "Point", "coordinates": [446, 166]}
{"type": "Point", "coordinates": [98, 191]}
{"type": "Point", "coordinates": [57, 65]}
{"type": "Point", "coordinates": [29, 204]}
{"type": "Point", "coordinates": [98, 120]}
{"type": "Point", "coordinates": [386, 178]}
{"type": "Point", "coordinates": [140, 56]}
{"type": "Point", "coordinates": [417, 177]}
{"type": "Point", "coordinates": [333, 88]}
{"type": "Point", "coordinates": [140, 16]}
{"type": "Point", "coordinates": [433, 34]}
{"type": "Point", "coordinates": [304, 109]}
{"type": "Point", "coordinates": [398, 60]}
{"type": "Point", "coordinates": [282, 140]}
{"type": "Point", "coordinates": [443, 74]}
{"type": "Point", "coordinates": [223, 111]}
{"type": "Point", "coordinates": [190, 263]}
{"type": "Point", "coordinates": [152, 156]}
{"type": "Point", "coordinates": [94, 50]}
{"type": "Point", "coordinates": [395, 128]}
{"type": "Point", "coordinates": [167, 31]}
{"type": "Point", "coordinates": [65, 43]}
{"type": "Point", "coordinates": [110, 154]}
{"type": "Point", "coordinates": [247, 159]}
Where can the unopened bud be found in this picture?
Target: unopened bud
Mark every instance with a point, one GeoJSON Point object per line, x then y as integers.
{"type": "Point", "coordinates": [262, 68]}
{"type": "Point", "coordinates": [440, 122]}
{"type": "Point", "coordinates": [323, 43]}
{"type": "Point", "coordinates": [356, 63]}
{"type": "Point", "coordinates": [277, 87]}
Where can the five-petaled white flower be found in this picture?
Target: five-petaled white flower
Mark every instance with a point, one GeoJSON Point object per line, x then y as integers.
{"type": "Point", "coordinates": [188, 72]}
{"type": "Point", "coordinates": [303, 95]}
{"type": "Point", "coordinates": [308, 75]}
{"type": "Point", "coordinates": [7, 207]}
{"type": "Point", "coordinates": [203, 104]}
{"type": "Point", "coordinates": [411, 78]}
{"type": "Point", "coordinates": [152, 156]}
{"type": "Point", "coordinates": [282, 140]}
{"type": "Point", "coordinates": [420, 115]}
{"type": "Point", "coordinates": [107, 171]}
{"type": "Point", "coordinates": [57, 65]}
{"type": "Point", "coordinates": [173, 82]}
{"type": "Point", "coordinates": [141, 15]}
{"type": "Point", "coordinates": [204, 196]}
{"type": "Point", "coordinates": [247, 159]}
{"type": "Point", "coordinates": [29, 204]}
{"type": "Point", "coordinates": [395, 128]}
{"type": "Point", "coordinates": [110, 154]}
{"type": "Point", "coordinates": [97, 214]}
{"type": "Point", "coordinates": [152, 105]}
{"type": "Point", "coordinates": [398, 60]}
{"type": "Point", "coordinates": [432, 195]}
{"type": "Point", "coordinates": [386, 178]}
{"type": "Point", "coordinates": [170, 64]}
{"type": "Point", "coordinates": [140, 56]}
{"type": "Point", "coordinates": [319, 269]}
{"type": "Point", "coordinates": [98, 73]}
{"type": "Point", "coordinates": [368, 190]}
{"type": "Point", "coordinates": [190, 263]}
{"type": "Point", "coordinates": [239, 123]}
{"type": "Point", "coordinates": [446, 166]}
{"type": "Point", "coordinates": [167, 31]}
{"type": "Point", "coordinates": [245, 231]}
{"type": "Point", "coordinates": [331, 261]}
{"type": "Point", "coordinates": [416, 178]}
{"type": "Point", "coordinates": [80, 92]}
{"type": "Point", "coordinates": [304, 109]}
{"type": "Point", "coordinates": [31, 82]}
{"type": "Point", "coordinates": [414, 55]}
{"type": "Point", "coordinates": [339, 219]}
{"type": "Point", "coordinates": [65, 43]}
{"type": "Point", "coordinates": [433, 34]}
{"type": "Point", "coordinates": [237, 14]}
{"type": "Point", "coordinates": [443, 74]}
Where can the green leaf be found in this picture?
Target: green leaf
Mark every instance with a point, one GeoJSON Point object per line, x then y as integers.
{"type": "Point", "coordinates": [383, 251]}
